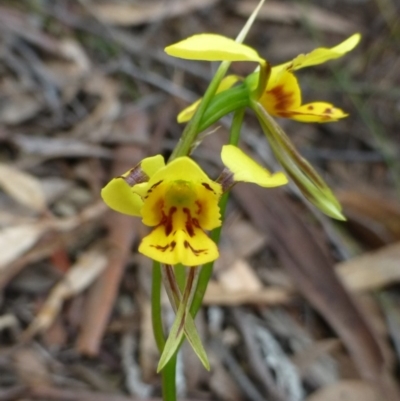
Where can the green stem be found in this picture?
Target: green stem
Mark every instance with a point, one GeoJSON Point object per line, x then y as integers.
{"type": "Point", "coordinates": [168, 373]}
{"type": "Point", "coordinates": [207, 269]}
{"type": "Point", "coordinates": [156, 314]}
{"type": "Point", "coordinates": [168, 380]}
{"type": "Point", "coordinates": [192, 129]}
{"type": "Point", "coordinates": [224, 103]}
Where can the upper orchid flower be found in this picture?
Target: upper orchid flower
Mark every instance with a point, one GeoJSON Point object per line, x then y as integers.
{"type": "Point", "coordinates": [280, 95]}
{"type": "Point", "coordinates": [180, 202]}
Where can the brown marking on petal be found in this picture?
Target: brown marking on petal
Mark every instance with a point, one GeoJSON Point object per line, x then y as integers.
{"type": "Point", "coordinates": [160, 247]}
{"type": "Point", "coordinates": [310, 107]}
{"type": "Point", "coordinates": [152, 187]}
{"type": "Point", "coordinates": [188, 223]}
{"type": "Point", "coordinates": [283, 99]}
{"type": "Point", "coordinates": [164, 248]}
{"type": "Point", "coordinates": [196, 223]}
{"type": "Point", "coordinates": [168, 221]}
{"type": "Point", "coordinates": [286, 113]}
{"type": "Point", "coordinates": [196, 252]}
{"type": "Point", "coordinates": [207, 186]}
{"type": "Point", "coordinates": [328, 110]}
{"type": "Point", "coordinates": [199, 207]}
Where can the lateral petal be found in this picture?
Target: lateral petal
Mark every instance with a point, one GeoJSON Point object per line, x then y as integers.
{"type": "Point", "coordinates": [316, 112]}
{"type": "Point", "coordinates": [321, 55]}
{"type": "Point", "coordinates": [245, 169]}
{"type": "Point", "coordinates": [118, 195]}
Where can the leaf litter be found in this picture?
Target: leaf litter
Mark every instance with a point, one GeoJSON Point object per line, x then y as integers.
{"type": "Point", "coordinates": [82, 92]}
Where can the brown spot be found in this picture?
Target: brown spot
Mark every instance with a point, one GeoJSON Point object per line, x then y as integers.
{"type": "Point", "coordinates": [328, 110]}
{"type": "Point", "coordinates": [282, 99]}
{"type": "Point", "coordinates": [310, 107]}
{"type": "Point", "coordinates": [207, 186]}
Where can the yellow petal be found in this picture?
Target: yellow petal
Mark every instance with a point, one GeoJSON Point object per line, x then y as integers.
{"type": "Point", "coordinates": [150, 165]}
{"type": "Point", "coordinates": [179, 247]}
{"type": "Point", "coordinates": [211, 47]}
{"type": "Point", "coordinates": [317, 112]}
{"type": "Point", "coordinates": [182, 168]}
{"type": "Point", "coordinates": [154, 193]}
{"type": "Point", "coordinates": [118, 195]}
{"type": "Point", "coordinates": [206, 210]}
{"type": "Point", "coordinates": [187, 113]}
{"type": "Point", "coordinates": [281, 95]}
{"type": "Point", "coordinates": [246, 169]}
{"type": "Point", "coordinates": [321, 55]}
{"type": "Point", "coordinates": [226, 83]}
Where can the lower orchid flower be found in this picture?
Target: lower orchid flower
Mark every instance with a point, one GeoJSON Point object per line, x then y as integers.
{"type": "Point", "coordinates": [180, 202]}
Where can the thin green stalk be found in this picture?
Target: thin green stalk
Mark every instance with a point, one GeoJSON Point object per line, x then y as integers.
{"type": "Point", "coordinates": [169, 380]}
{"type": "Point", "coordinates": [192, 129]}
{"type": "Point", "coordinates": [156, 315]}
{"type": "Point", "coordinates": [207, 269]}
{"type": "Point", "coordinates": [168, 373]}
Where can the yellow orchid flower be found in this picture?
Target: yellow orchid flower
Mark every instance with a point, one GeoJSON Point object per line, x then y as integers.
{"type": "Point", "coordinates": [281, 95]}
{"type": "Point", "coordinates": [181, 202]}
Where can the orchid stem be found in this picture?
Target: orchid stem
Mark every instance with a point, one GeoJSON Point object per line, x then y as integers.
{"type": "Point", "coordinates": [207, 269]}
{"type": "Point", "coordinates": [168, 373]}
{"type": "Point", "coordinates": [156, 315]}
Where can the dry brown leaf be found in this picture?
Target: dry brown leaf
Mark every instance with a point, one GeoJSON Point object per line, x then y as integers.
{"type": "Point", "coordinates": [221, 382]}
{"type": "Point", "coordinates": [216, 294]}
{"type": "Point", "coordinates": [23, 187]}
{"type": "Point", "coordinates": [312, 271]}
{"type": "Point", "coordinates": [244, 238]}
{"type": "Point", "coordinates": [30, 367]}
{"type": "Point", "coordinates": [372, 270]}
{"type": "Point", "coordinates": [346, 390]}
{"type": "Point", "coordinates": [374, 217]}
{"type": "Point", "coordinates": [128, 14]}
{"type": "Point", "coordinates": [240, 277]}
{"type": "Point", "coordinates": [19, 107]}
{"type": "Point", "coordinates": [106, 111]}
{"type": "Point", "coordinates": [73, 51]}
{"type": "Point", "coordinates": [80, 276]}
{"type": "Point", "coordinates": [289, 13]}
{"type": "Point", "coordinates": [15, 241]}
